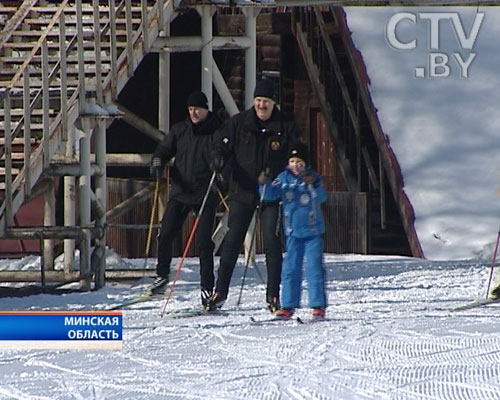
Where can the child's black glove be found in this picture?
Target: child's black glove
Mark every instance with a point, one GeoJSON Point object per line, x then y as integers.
{"type": "Point", "coordinates": [308, 177]}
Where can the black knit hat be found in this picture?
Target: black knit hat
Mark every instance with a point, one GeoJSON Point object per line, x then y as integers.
{"type": "Point", "coordinates": [197, 99]}
{"type": "Point", "coordinates": [299, 151]}
{"type": "Point", "coordinates": [264, 88]}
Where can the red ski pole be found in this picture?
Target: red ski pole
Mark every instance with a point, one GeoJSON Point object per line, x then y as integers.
{"type": "Point", "coordinates": [493, 263]}
{"type": "Point", "coordinates": [188, 245]}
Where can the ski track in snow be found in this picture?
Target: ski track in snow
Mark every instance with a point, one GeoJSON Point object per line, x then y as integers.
{"type": "Point", "coordinates": [390, 335]}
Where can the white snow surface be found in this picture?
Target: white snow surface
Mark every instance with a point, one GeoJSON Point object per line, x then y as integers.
{"type": "Point", "coordinates": [443, 130]}
{"type": "Point", "coordinates": [390, 334]}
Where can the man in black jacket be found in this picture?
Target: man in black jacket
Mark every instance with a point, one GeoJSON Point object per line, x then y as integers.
{"type": "Point", "coordinates": [255, 144]}
{"type": "Point", "coordinates": [190, 142]}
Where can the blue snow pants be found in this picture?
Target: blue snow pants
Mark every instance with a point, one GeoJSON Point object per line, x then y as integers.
{"type": "Point", "coordinates": [291, 276]}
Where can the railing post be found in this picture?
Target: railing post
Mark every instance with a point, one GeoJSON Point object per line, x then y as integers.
{"type": "Point", "coordinates": [130, 49]}
{"type": "Point", "coordinates": [64, 78]}
{"type": "Point", "coordinates": [81, 56]}
{"type": "Point", "coordinates": [27, 132]}
{"type": "Point", "coordinates": [113, 50]}
{"type": "Point", "coordinates": [8, 161]}
{"type": "Point", "coordinates": [97, 52]}
{"type": "Point", "coordinates": [161, 16]}
{"type": "Point", "coordinates": [45, 105]}
{"type": "Point", "coordinates": [145, 21]}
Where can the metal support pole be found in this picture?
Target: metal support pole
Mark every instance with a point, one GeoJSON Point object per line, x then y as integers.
{"type": "Point", "coordinates": [49, 219]}
{"type": "Point", "coordinates": [69, 205]}
{"type": "Point", "coordinates": [100, 191]}
{"type": "Point", "coordinates": [207, 13]}
{"type": "Point", "coordinates": [164, 98]}
{"type": "Point", "coordinates": [164, 92]}
{"type": "Point", "coordinates": [250, 53]}
{"type": "Point", "coordinates": [84, 200]}
{"type": "Point", "coordinates": [85, 260]}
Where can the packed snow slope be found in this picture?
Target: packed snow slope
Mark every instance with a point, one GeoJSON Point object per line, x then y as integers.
{"type": "Point", "coordinates": [390, 335]}
{"type": "Point", "coordinates": [444, 127]}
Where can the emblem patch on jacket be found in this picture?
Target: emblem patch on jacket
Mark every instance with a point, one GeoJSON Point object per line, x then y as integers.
{"type": "Point", "coordinates": [304, 198]}
{"type": "Point", "coordinates": [275, 145]}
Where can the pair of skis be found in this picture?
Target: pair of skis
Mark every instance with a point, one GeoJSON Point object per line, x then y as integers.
{"type": "Point", "coordinates": [280, 320]}
{"type": "Point", "coordinates": [198, 311]}
{"type": "Point", "coordinates": [178, 313]}
{"type": "Point", "coordinates": [476, 304]}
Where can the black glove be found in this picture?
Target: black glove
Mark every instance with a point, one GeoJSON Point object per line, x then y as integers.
{"type": "Point", "coordinates": [156, 168]}
{"type": "Point", "coordinates": [217, 162]}
{"type": "Point", "coordinates": [264, 177]}
{"type": "Point", "coordinates": [308, 177]}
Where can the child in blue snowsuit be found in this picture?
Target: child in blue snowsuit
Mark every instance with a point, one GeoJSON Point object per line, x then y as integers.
{"type": "Point", "coordinates": [301, 192]}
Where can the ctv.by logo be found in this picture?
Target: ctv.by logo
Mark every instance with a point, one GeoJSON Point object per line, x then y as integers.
{"type": "Point", "coordinates": [439, 64]}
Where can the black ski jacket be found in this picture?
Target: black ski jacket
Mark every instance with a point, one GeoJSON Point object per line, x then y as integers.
{"type": "Point", "coordinates": [191, 146]}
{"type": "Point", "coordinates": [250, 146]}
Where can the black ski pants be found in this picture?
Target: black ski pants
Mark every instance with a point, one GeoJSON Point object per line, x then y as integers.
{"type": "Point", "coordinates": [173, 219]}
{"type": "Point", "coordinates": [240, 216]}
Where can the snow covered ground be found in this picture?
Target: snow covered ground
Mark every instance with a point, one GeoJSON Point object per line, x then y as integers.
{"type": "Point", "coordinates": [390, 335]}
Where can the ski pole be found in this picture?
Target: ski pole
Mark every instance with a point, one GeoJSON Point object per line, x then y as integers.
{"type": "Point", "coordinates": [188, 245]}
{"type": "Point", "coordinates": [252, 240]}
{"type": "Point", "coordinates": [493, 264]}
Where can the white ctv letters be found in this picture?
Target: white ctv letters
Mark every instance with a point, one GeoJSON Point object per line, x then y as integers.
{"type": "Point", "coordinates": [438, 62]}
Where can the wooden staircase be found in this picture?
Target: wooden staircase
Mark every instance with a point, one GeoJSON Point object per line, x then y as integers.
{"type": "Point", "coordinates": [365, 159]}
{"type": "Point", "coordinates": [62, 65]}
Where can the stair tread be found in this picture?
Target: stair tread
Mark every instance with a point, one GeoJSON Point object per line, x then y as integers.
{"type": "Point", "coordinates": [85, 21]}
{"type": "Point", "coordinates": [51, 59]}
{"type": "Point", "coordinates": [19, 112]}
{"type": "Point", "coordinates": [50, 45]}
{"type": "Point", "coordinates": [67, 9]}
{"type": "Point", "coordinates": [17, 141]}
{"type": "Point", "coordinates": [55, 33]}
{"type": "Point", "coordinates": [70, 71]}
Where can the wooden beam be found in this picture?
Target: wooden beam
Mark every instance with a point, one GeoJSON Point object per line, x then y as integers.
{"type": "Point", "coordinates": [128, 204]}
{"type": "Point", "coordinates": [51, 232]}
{"type": "Point", "coordinates": [123, 160]}
{"type": "Point", "coordinates": [34, 276]}
{"type": "Point", "coordinates": [140, 124]}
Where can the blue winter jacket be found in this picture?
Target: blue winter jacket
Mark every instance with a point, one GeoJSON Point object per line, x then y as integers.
{"type": "Point", "coordinates": [302, 216]}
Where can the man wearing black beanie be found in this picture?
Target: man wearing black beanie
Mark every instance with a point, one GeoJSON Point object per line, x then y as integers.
{"type": "Point", "coordinates": [190, 142]}
{"type": "Point", "coordinates": [255, 144]}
